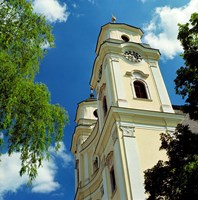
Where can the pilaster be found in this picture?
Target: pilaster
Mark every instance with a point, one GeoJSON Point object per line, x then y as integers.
{"type": "Point", "coordinates": [104, 180]}
{"type": "Point", "coordinates": [119, 167]}
{"type": "Point", "coordinates": [119, 88]}
{"type": "Point", "coordinates": [86, 168]}
{"type": "Point", "coordinates": [165, 101]}
{"type": "Point", "coordinates": [133, 163]}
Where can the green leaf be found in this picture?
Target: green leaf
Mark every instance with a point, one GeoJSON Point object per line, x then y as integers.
{"type": "Point", "coordinates": [30, 123]}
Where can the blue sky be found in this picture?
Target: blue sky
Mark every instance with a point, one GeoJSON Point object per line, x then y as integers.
{"type": "Point", "coordinates": [66, 71]}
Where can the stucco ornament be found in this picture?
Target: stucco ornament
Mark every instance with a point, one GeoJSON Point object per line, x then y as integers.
{"type": "Point", "coordinates": [132, 56]}
{"type": "Point", "coordinates": [109, 160]}
{"type": "Point", "coordinates": [127, 131]}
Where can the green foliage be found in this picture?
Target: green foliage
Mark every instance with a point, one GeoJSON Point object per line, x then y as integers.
{"type": "Point", "coordinates": [29, 123]}
{"type": "Point", "coordinates": [177, 178]}
{"type": "Point", "coordinates": [187, 77]}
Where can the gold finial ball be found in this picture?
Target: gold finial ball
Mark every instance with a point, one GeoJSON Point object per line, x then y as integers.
{"type": "Point", "coordinates": [113, 19]}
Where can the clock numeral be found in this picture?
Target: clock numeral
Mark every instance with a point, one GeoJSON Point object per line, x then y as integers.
{"type": "Point", "coordinates": [132, 56]}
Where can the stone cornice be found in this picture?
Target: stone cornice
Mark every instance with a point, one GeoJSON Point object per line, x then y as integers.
{"type": "Point", "coordinates": [138, 118]}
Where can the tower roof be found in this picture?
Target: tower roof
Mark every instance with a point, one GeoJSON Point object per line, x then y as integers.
{"type": "Point", "coordinates": [103, 35]}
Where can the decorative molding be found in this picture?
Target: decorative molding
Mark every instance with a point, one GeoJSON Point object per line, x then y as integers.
{"type": "Point", "coordinates": [128, 74]}
{"type": "Point", "coordinates": [114, 58]}
{"type": "Point", "coordinates": [103, 163]}
{"type": "Point", "coordinates": [153, 64]}
{"type": "Point", "coordinates": [102, 89]}
{"type": "Point", "coordinates": [137, 73]}
{"type": "Point", "coordinates": [109, 160]}
{"type": "Point", "coordinates": [114, 136]}
{"type": "Point", "coordinates": [150, 127]}
{"type": "Point", "coordinates": [128, 131]}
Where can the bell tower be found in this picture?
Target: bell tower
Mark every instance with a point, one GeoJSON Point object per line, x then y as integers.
{"type": "Point", "coordinates": [126, 71]}
{"type": "Point", "coordinates": [131, 109]}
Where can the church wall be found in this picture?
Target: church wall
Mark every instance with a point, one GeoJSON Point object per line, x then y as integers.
{"type": "Point", "coordinates": [148, 143]}
{"type": "Point", "coordinates": [126, 136]}
{"type": "Point", "coordinates": [153, 101]}
{"type": "Point", "coordinates": [116, 34]}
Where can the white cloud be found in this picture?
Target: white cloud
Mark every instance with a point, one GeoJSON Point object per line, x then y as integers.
{"type": "Point", "coordinates": [9, 171]}
{"type": "Point", "coordinates": [51, 9]}
{"type": "Point", "coordinates": [79, 15]}
{"type": "Point", "coordinates": [92, 1]}
{"type": "Point", "coordinates": [62, 153]}
{"type": "Point", "coordinates": [45, 181]}
{"type": "Point", "coordinates": [161, 32]}
{"type": "Point", "coordinates": [74, 5]}
{"type": "Point", "coordinates": [143, 1]}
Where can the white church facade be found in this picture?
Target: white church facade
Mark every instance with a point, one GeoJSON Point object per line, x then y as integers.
{"type": "Point", "coordinates": [117, 134]}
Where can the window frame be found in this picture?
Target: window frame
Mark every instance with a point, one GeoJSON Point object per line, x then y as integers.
{"type": "Point", "coordinates": [77, 172]}
{"type": "Point", "coordinates": [111, 172]}
{"type": "Point", "coordinates": [104, 106]}
{"type": "Point", "coordinates": [125, 38]}
{"type": "Point", "coordinates": [96, 163]}
{"type": "Point", "coordinates": [145, 86]}
{"type": "Point", "coordinates": [112, 180]}
{"type": "Point", "coordinates": [140, 89]}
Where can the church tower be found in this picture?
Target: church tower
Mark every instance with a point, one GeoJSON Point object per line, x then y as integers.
{"type": "Point", "coordinates": [117, 136]}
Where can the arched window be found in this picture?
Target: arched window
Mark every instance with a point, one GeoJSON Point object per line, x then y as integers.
{"type": "Point", "coordinates": [110, 164]}
{"type": "Point", "coordinates": [104, 102]}
{"type": "Point", "coordinates": [112, 179]}
{"type": "Point", "coordinates": [95, 164]}
{"type": "Point", "coordinates": [77, 172]}
{"type": "Point", "coordinates": [125, 38]}
{"type": "Point", "coordinates": [140, 90]}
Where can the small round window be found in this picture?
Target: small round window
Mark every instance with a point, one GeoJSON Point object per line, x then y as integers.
{"type": "Point", "coordinates": [125, 38]}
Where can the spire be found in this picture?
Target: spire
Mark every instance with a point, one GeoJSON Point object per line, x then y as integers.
{"type": "Point", "coordinates": [113, 19]}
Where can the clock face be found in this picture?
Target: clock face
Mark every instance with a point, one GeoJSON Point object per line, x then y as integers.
{"type": "Point", "coordinates": [132, 56]}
